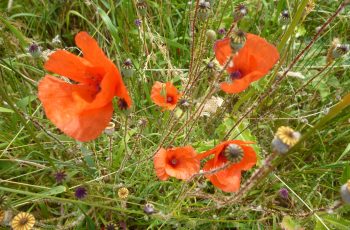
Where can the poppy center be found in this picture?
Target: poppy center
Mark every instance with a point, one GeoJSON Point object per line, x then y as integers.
{"type": "Point", "coordinates": [233, 153]}
{"type": "Point", "coordinates": [169, 99]}
{"type": "Point", "coordinates": [23, 221]}
{"type": "Point", "coordinates": [122, 104]}
{"type": "Point", "coordinates": [174, 161]}
{"type": "Point", "coordinates": [236, 75]}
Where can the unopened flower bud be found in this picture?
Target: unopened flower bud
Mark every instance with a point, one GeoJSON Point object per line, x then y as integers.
{"type": "Point", "coordinates": [141, 6]}
{"type": "Point", "coordinates": [34, 50]}
{"type": "Point", "coordinates": [211, 35]}
{"type": "Point", "coordinates": [109, 130]}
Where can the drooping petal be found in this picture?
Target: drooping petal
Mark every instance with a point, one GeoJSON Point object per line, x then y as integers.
{"type": "Point", "coordinates": [160, 164]}
{"type": "Point", "coordinates": [66, 106]}
{"type": "Point", "coordinates": [266, 54]}
{"type": "Point", "coordinates": [223, 50]}
{"type": "Point", "coordinates": [240, 85]}
{"type": "Point", "coordinates": [69, 65]}
{"type": "Point", "coordinates": [91, 50]}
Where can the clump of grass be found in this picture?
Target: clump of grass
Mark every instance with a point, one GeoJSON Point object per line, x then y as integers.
{"type": "Point", "coordinates": [42, 169]}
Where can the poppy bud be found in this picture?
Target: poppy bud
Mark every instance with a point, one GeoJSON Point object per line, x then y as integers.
{"type": "Point", "coordinates": [148, 209]}
{"type": "Point", "coordinates": [127, 68]}
{"type": "Point", "coordinates": [284, 139]}
{"type": "Point", "coordinates": [345, 192]}
{"type": "Point", "coordinates": [142, 7]}
{"type": "Point", "coordinates": [109, 130]}
{"type": "Point", "coordinates": [211, 35]}
{"type": "Point", "coordinates": [240, 11]}
{"type": "Point", "coordinates": [238, 40]}
{"type": "Point", "coordinates": [233, 153]}
{"type": "Point", "coordinates": [203, 11]}
{"type": "Point", "coordinates": [34, 50]}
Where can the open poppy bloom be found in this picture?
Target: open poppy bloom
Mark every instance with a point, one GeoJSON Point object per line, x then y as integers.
{"type": "Point", "coordinates": [253, 61]}
{"type": "Point", "coordinates": [180, 163]}
{"type": "Point", "coordinates": [241, 156]}
{"type": "Point", "coordinates": [82, 109]}
{"type": "Point", "coordinates": [165, 95]}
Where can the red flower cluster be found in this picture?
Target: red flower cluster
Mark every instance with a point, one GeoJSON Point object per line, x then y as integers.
{"type": "Point", "coordinates": [183, 163]}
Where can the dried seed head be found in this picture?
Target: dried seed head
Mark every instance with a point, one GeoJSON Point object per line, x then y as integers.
{"type": "Point", "coordinates": [127, 68]}
{"type": "Point", "coordinates": [123, 193]}
{"type": "Point", "coordinates": [184, 103]}
{"type": "Point", "coordinates": [203, 10]}
{"type": "Point", "coordinates": [284, 139]}
{"type": "Point", "coordinates": [285, 16]}
{"type": "Point", "coordinates": [310, 6]}
{"type": "Point", "coordinates": [148, 209]}
{"type": "Point", "coordinates": [211, 35]}
{"type": "Point", "coordinates": [238, 40]}
{"type": "Point", "coordinates": [111, 226]}
{"type": "Point", "coordinates": [234, 153]}
{"type": "Point", "coordinates": [345, 192]}
{"type": "Point", "coordinates": [142, 122]}
{"type": "Point", "coordinates": [240, 11]}
{"type": "Point", "coordinates": [23, 220]}
{"type": "Point", "coordinates": [141, 6]}
{"type": "Point", "coordinates": [109, 130]}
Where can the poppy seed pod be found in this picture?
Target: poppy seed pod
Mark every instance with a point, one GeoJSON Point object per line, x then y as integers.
{"type": "Point", "coordinates": [284, 139]}
{"type": "Point", "coordinates": [203, 11]}
{"type": "Point", "coordinates": [238, 40]}
{"type": "Point", "coordinates": [211, 35]}
{"type": "Point", "coordinates": [234, 153]}
{"type": "Point", "coordinates": [141, 6]}
{"type": "Point", "coordinates": [340, 50]}
{"type": "Point", "coordinates": [109, 130]}
{"type": "Point", "coordinates": [240, 11]}
{"type": "Point", "coordinates": [345, 192]}
{"type": "Point", "coordinates": [127, 68]}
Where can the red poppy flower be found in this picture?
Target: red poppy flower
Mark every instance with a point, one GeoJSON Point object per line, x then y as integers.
{"type": "Point", "coordinates": [165, 95]}
{"type": "Point", "coordinates": [84, 108]}
{"type": "Point", "coordinates": [252, 62]}
{"type": "Point", "coordinates": [241, 156]}
{"type": "Point", "coordinates": [180, 163]}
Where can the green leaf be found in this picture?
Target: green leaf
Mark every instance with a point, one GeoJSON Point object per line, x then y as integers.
{"type": "Point", "coordinates": [337, 222]}
{"type": "Point", "coordinates": [289, 224]}
{"type": "Point", "coordinates": [5, 110]}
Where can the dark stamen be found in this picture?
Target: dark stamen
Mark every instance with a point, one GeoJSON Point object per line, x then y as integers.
{"type": "Point", "coordinates": [236, 75]}
{"type": "Point", "coordinates": [169, 99]}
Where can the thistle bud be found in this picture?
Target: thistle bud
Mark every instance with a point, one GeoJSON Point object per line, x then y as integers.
{"type": "Point", "coordinates": [240, 11]}
{"type": "Point", "coordinates": [34, 50]}
{"type": "Point", "coordinates": [211, 35]}
{"type": "Point", "coordinates": [203, 11]}
{"type": "Point", "coordinates": [127, 68]}
{"type": "Point", "coordinates": [141, 6]}
{"type": "Point", "coordinates": [238, 40]}
{"type": "Point", "coordinates": [345, 192]}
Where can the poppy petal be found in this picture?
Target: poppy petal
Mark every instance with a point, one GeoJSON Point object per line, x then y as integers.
{"type": "Point", "coordinates": [240, 85]}
{"type": "Point", "coordinates": [69, 65]}
{"type": "Point", "coordinates": [265, 53]}
{"type": "Point", "coordinates": [160, 164]}
{"type": "Point", "coordinates": [91, 50]}
{"type": "Point", "coordinates": [65, 105]}
{"type": "Point", "coordinates": [223, 50]}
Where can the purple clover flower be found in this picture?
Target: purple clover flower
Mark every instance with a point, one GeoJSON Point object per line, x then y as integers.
{"type": "Point", "coordinates": [80, 193]}
{"type": "Point", "coordinates": [138, 22]}
{"type": "Point", "coordinates": [284, 193]}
